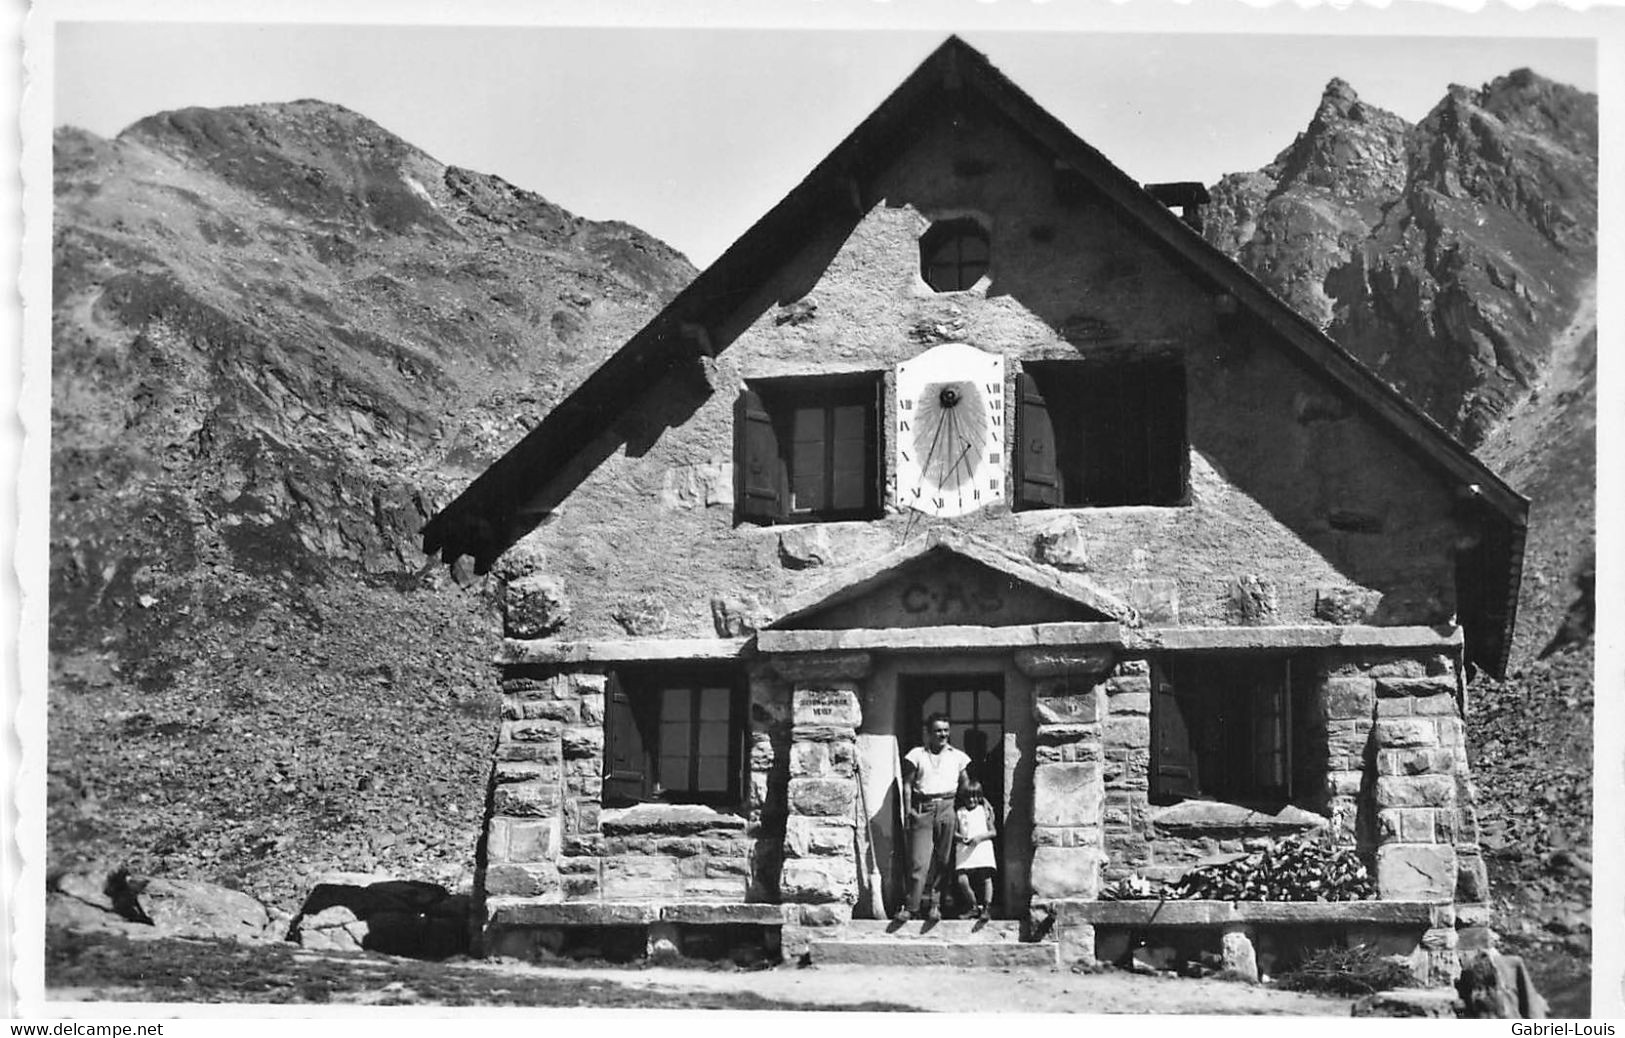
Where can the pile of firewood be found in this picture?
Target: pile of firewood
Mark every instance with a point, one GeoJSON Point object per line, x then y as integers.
{"type": "Point", "coordinates": [1293, 870]}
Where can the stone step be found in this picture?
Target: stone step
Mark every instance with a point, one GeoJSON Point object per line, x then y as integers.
{"type": "Point", "coordinates": [948, 930]}
{"type": "Point", "coordinates": [952, 942]}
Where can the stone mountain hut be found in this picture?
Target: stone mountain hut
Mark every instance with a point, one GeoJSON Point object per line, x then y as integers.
{"type": "Point", "coordinates": [973, 422]}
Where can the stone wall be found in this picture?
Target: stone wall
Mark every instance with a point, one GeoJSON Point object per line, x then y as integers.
{"type": "Point", "coordinates": [1068, 773]}
{"type": "Point", "coordinates": [1380, 766]}
{"type": "Point", "coordinates": [820, 840]}
{"type": "Point", "coordinates": [549, 838]}
{"type": "Point", "coordinates": [1295, 497]}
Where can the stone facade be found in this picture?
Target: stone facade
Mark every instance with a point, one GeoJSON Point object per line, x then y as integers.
{"type": "Point", "coordinates": [1313, 527]}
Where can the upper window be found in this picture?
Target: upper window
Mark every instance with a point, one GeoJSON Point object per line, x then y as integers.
{"type": "Point", "coordinates": [1222, 729]}
{"type": "Point", "coordinates": [673, 737]}
{"type": "Point", "coordinates": [808, 449]}
{"type": "Point", "coordinates": [953, 255]}
{"type": "Point", "coordinates": [1100, 433]}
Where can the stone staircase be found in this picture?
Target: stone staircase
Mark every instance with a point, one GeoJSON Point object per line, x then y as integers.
{"type": "Point", "coordinates": [952, 942]}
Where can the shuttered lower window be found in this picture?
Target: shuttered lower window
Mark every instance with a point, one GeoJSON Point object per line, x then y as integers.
{"type": "Point", "coordinates": [808, 450]}
{"type": "Point", "coordinates": [1100, 433]}
{"type": "Point", "coordinates": [673, 737]}
{"type": "Point", "coordinates": [1222, 729]}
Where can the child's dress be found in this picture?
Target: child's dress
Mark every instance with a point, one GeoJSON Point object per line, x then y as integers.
{"type": "Point", "coordinates": [974, 821]}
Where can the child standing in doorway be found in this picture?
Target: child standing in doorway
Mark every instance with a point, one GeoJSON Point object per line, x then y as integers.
{"type": "Point", "coordinates": [974, 865]}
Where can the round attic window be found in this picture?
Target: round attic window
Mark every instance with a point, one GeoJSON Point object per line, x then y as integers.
{"type": "Point", "coordinates": [953, 255]}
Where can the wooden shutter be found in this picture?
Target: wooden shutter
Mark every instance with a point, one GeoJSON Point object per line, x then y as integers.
{"type": "Point", "coordinates": [1167, 456]}
{"type": "Point", "coordinates": [759, 469]}
{"type": "Point", "coordinates": [626, 757]}
{"type": "Point", "coordinates": [1272, 728]}
{"type": "Point", "coordinates": [1038, 483]}
{"type": "Point", "coordinates": [1173, 757]}
{"type": "Point", "coordinates": [878, 446]}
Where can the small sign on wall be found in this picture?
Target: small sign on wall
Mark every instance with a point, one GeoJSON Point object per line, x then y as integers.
{"type": "Point", "coordinates": [831, 707]}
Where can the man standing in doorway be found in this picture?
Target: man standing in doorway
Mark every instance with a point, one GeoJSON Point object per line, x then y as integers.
{"type": "Point", "coordinates": [933, 775]}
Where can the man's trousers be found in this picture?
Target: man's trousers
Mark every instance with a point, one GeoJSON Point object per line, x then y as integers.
{"type": "Point", "coordinates": [931, 851]}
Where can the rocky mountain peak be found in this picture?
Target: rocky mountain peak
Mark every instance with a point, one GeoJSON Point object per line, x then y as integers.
{"type": "Point", "coordinates": [1521, 143]}
{"type": "Point", "coordinates": [1351, 149]}
{"type": "Point", "coordinates": [1336, 100]}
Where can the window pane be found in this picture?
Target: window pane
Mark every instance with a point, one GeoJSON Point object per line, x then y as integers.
{"type": "Point", "coordinates": [944, 257]}
{"type": "Point", "coordinates": [973, 251]}
{"type": "Point", "coordinates": [987, 706]}
{"type": "Point", "coordinates": [714, 704]}
{"type": "Point", "coordinates": [807, 476]}
{"type": "Point", "coordinates": [714, 739]}
{"type": "Point", "coordinates": [713, 774]}
{"type": "Point", "coordinates": [850, 451]}
{"type": "Point", "coordinates": [675, 705]}
{"type": "Point", "coordinates": [673, 772]}
{"type": "Point", "coordinates": [809, 425]}
{"type": "Point", "coordinates": [962, 705]}
{"type": "Point", "coordinates": [849, 423]}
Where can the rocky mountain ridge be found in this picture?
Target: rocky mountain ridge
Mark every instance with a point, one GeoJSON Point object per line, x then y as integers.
{"type": "Point", "coordinates": [282, 337]}
{"type": "Point", "coordinates": [1457, 259]}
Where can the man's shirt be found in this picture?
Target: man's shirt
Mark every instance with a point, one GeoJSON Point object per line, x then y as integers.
{"type": "Point", "coordinates": [938, 773]}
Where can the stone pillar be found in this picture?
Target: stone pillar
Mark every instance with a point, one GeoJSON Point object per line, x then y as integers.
{"type": "Point", "coordinates": [765, 803]}
{"type": "Point", "coordinates": [820, 868]}
{"type": "Point", "coordinates": [545, 781]}
{"type": "Point", "coordinates": [1240, 957]}
{"type": "Point", "coordinates": [1418, 731]}
{"type": "Point", "coordinates": [1347, 701]}
{"type": "Point", "coordinates": [1068, 774]}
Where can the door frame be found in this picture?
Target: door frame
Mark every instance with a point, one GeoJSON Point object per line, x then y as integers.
{"type": "Point", "coordinates": [914, 688]}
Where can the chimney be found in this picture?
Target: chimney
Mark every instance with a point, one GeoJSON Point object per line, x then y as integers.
{"type": "Point", "coordinates": [1187, 196]}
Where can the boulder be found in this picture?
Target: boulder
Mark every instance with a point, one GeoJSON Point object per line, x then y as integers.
{"type": "Point", "coordinates": [1431, 1003]}
{"type": "Point", "coordinates": [154, 906]}
{"type": "Point", "coordinates": [335, 928]}
{"type": "Point", "coordinates": [409, 918]}
{"type": "Point", "coordinates": [88, 888]}
{"type": "Point", "coordinates": [191, 908]}
{"type": "Point", "coordinates": [1493, 986]}
{"type": "Point", "coordinates": [68, 912]}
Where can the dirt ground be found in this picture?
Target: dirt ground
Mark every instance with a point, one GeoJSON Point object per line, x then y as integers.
{"type": "Point", "coordinates": [953, 990]}
{"type": "Point", "coordinates": [88, 968]}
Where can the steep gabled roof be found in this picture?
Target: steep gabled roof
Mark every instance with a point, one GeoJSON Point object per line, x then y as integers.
{"type": "Point", "coordinates": [509, 498]}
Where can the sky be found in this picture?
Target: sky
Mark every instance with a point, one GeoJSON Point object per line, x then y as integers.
{"type": "Point", "coordinates": [692, 133]}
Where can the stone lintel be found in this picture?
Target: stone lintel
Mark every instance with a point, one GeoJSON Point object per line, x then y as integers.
{"type": "Point", "coordinates": [518, 912]}
{"type": "Point", "coordinates": [622, 650]}
{"type": "Point", "coordinates": [667, 819]}
{"type": "Point", "coordinates": [1226, 913]}
{"type": "Point", "coordinates": [815, 665]}
{"type": "Point", "coordinates": [1195, 817]}
{"type": "Point", "coordinates": [1218, 639]}
{"type": "Point", "coordinates": [1089, 664]}
{"type": "Point", "coordinates": [940, 639]}
{"type": "Point", "coordinates": [729, 912]}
